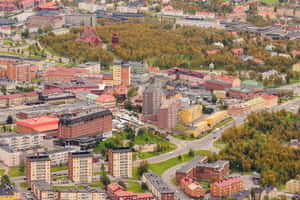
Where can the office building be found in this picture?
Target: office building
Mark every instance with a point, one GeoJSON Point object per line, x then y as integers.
{"type": "Point", "coordinates": [120, 162]}
{"type": "Point", "coordinates": [85, 123]}
{"type": "Point", "coordinates": [80, 167]}
{"type": "Point", "coordinates": [157, 187]}
{"type": "Point", "coordinates": [152, 98]}
{"type": "Point", "coordinates": [38, 168]}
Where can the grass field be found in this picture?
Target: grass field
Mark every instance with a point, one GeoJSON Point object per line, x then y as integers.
{"type": "Point", "coordinates": [2, 172]}
{"type": "Point", "coordinates": [15, 172]}
{"type": "Point", "coordinates": [134, 186]}
{"type": "Point", "coordinates": [161, 167]}
{"type": "Point", "coordinates": [97, 184]}
{"type": "Point", "coordinates": [24, 185]}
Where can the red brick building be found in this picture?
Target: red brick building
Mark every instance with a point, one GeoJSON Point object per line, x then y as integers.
{"type": "Point", "coordinates": [199, 169]}
{"type": "Point", "coordinates": [192, 188]}
{"type": "Point", "coordinates": [117, 192]}
{"type": "Point", "coordinates": [21, 71]}
{"type": "Point", "coordinates": [235, 82]}
{"type": "Point", "coordinates": [167, 115]}
{"type": "Point", "coordinates": [187, 75]}
{"type": "Point", "coordinates": [45, 124]}
{"type": "Point", "coordinates": [238, 109]}
{"type": "Point", "coordinates": [226, 187]}
{"type": "Point", "coordinates": [89, 36]}
{"type": "Point", "coordinates": [239, 93]}
{"type": "Point", "coordinates": [63, 74]}
{"type": "Point", "coordinates": [97, 121]}
{"type": "Point", "coordinates": [216, 84]}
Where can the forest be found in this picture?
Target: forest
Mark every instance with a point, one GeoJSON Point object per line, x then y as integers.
{"type": "Point", "coordinates": [263, 145]}
{"type": "Point", "coordinates": [163, 46]}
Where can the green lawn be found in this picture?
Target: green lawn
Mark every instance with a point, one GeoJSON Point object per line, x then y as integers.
{"type": "Point", "coordinates": [205, 184]}
{"type": "Point", "coordinates": [218, 144]}
{"type": "Point", "coordinates": [270, 1]}
{"type": "Point", "coordinates": [59, 168]}
{"type": "Point", "coordinates": [151, 154]}
{"type": "Point", "coordinates": [134, 186]}
{"type": "Point", "coordinates": [24, 185]}
{"type": "Point", "coordinates": [15, 172]}
{"type": "Point", "coordinates": [160, 167]}
{"type": "Point", "coordinates": [174, 181]}
{"type": "Point", "coordinates": [60, 177]}
{"type": "Point", "coordinates": [97, 184]}
{"type": "Point", "coordinates": [2, 172]}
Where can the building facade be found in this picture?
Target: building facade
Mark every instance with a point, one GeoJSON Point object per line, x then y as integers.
{"type": "Point", "coordinates": [120, 162]}
{"type": "Point", "coordinates": [167, 115]}
{"type": "Point", "coordinates": [121, 74]}
{"type": "Point", "coordinates": [80, 167]}
{"type": "Point", "coordinates": [293, 186]}
{"type": "Point", "coordinates": [152, 98]}
{"type": "Point", "coordinates": [192, 188]}
{"type": "Point", "coordinates": [226, 187]}
{"type": "Point", "coordinates": [85, 123]}
{"type": "Point", "coordinates": [190, 114]}
{"type": "Point", "coordinates": [38, 168]}
{"type": "Point", "coordinates": [21, 71]}
{"type": "Point", "coordinates": [45, 124]}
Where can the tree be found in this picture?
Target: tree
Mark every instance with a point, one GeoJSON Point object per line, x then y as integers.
{"type": "Point", "coordinates": [9, 119]}
{"type": "Point", "coordinates": [121, 183]}
{"type": "Point", "coordinates": [105, 180]}
{"type": "Point", "coordinates": [144, 186]}
{"type": "Point", "coordinates": [143, 168]}
{"type": "Point", "coordinates": [179, 157]}
{"type": "Point", "coordinates": [3, 90]}
{"type": "Point", "coordinates": [142, 131]}
{"type": "Point", "coordinates": [22, 166]}
{"type": "Point", "coordinates": [25, 34]}
{"type": "Point", "coordinates": [5, 180]}
{"type": "Point", "coordinates": [191, 153]}
{"type": "Point", "coordinates": [40, 31]}
{"type": "Point", "coordinates": [214, 99]}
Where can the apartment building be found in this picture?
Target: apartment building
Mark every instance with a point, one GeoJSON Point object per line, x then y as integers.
{"type": "Point", "coordinates": [167, 115]}
{"type": "Point", "coordinates": [192, 188]}
{"type": "Point", "coordinates": [21, 71]}
{"type": "Point", "coordinates": [80, 167]}
{"type": "Point", "coordinates": [293, 186]}
{"type": "Point", "coordinates": [79, 194]}
{"type": "Point", "coordinates": [59, 156]}
{"type": "Point", "coordinates": [43, 190]}
{"type": "Point", "coordinates": [216, 118]}
{"type": "Point", "coordinates": [9, 156]}
{"type": "Point", "coordinates": [106, 101]}
{"type": "Point", "coordinates": [157, 187]}
{"type": "Point", "coordinates": [22, 141]}
{"type": "Point", "coordinates": [152, 98]}
{"type": "Point", "coordinates": [121, 74]}
{"type": "Point", "coordinates": [190, 113]}
{"type": "Point", "coordinates": [85, 123]}
{"type": "Point", "coordinates": [226, 187]}
{"type": "Point", "coordinates": [199, 169]}
{"type": "Point", "coordinates": [38, 168]}
{"type": "Point", "coordinates": [120, 162]}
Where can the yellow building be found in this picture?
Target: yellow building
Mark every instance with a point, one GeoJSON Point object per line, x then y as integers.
{"type": "Point", "coordinates": [117, 73]}
{"type": "Point", "coordinates": [216, 118]}
{"type": "Point", "coordinates": [8, 192]}
{"type": "Point", "coordinates": [293, 186]}
{"type": "Point", "coordinates": [256, 103]}
{"type": "Point", "coordinates": [38, 169]}
{"type": "Point", "coordinates": [190, 114]}
{"type": "Point", "coordinates": [80, 166]}
{"type": "Point", "coordinates": [199, 129]}
{"type": "Point", "coordinates": [296, 67]}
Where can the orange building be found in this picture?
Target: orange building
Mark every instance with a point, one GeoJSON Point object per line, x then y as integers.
{"type": "Point", "coordinates": [226, 187]}
{"type": "Point", "coordinates": [20, 71]}
{"type": "Point", "coordinates": [106, 101]}
{"type": "Point", "coordinates": [45, 124]}
{"type": "Point", "coordinates": [191, 187]}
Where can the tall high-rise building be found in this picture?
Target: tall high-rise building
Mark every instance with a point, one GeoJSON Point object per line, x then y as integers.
{"type": "Point", "coordinates": [121, 73]}
{"type": "Point", "coordinates": [120, 162]}
{"type": "Point", "coordinates": [38, 168]}
{"type": "Point", "coordinates": [80, 167]}
{"type": "Point", "coordinates": [151, 99]}
{"type": "Point", "coordinates": [167, 115]}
